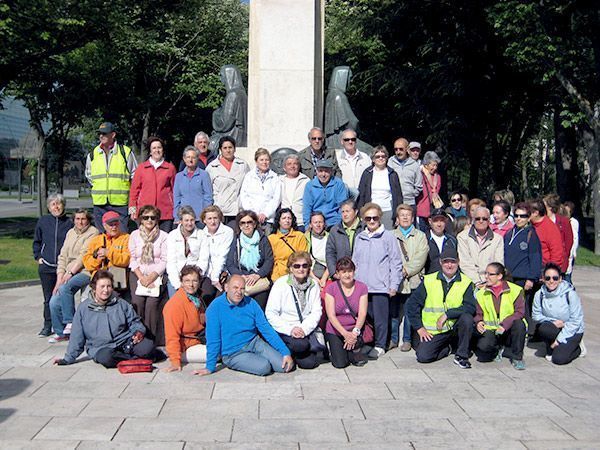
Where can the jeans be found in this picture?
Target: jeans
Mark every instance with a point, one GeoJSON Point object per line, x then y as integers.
{"type": "Point", "coordinates": [379, 310]}
{"type": "Point", "coordinates": [397, 310]}
{"type": "Point", "coordinates": [48, 280]}
{"type": "Point", "coordinates": [170, 289]}
{"type": "Point", "coordinates": [123, 211]}
{"type": "Point", "coordinates": [256, 357]}
{"type": "Point", "coordinates": [62, 304]}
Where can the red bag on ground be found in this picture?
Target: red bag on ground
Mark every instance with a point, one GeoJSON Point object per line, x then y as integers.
{"type": "Point", "coordinates": [135, 366]}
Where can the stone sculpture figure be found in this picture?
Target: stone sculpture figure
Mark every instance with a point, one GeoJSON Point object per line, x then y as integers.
{"type": "Point", "coordinates": [231, 118]}
{"type": "Point", "coordinates": [338, 113]}
{"type": "Point", "coordinates": [277, 158]}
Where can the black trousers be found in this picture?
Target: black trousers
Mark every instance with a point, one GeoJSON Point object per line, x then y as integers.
{"type": "Point", "coordinates": [513, 340]}
{"type": "Point", "coordinates": [440, 345]}
{"type": "Point", "coordinates": [109, 357]}
{"type": "Point", "coordinates": [379, 312]}
{"type": "Point", "coordinates": [208, 291]}
{"type": "Point", "coordinates": [300, 348]}
{"type": "Point", "coordinates": [338, 355]}
{"type": "Point", "coordinates": [48, 280]}
{"type": "Point", "coordinates": [564, 353]}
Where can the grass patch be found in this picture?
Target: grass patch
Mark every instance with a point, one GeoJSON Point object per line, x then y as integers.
{"type": "Point", "coordinates": [21, 265]}
{"type": "Point", "coordinates": [586, 257]}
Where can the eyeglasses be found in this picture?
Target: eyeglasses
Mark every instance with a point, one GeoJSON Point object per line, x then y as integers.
{"type": "Point", "coordinates": [246, 222]}
{"type": "Point", "coordinates": [521, 216]}
{"type": "Point", "coordinates": [349, 139]}
{"type": "Point", "coordinates": [553, 278]}
{"type": "Point", "coordinates": [481, 219]}
{"type": "Point", "coordinates": [414, 149]}
{"type": "Point", "coordinates": [491, 274]}
{"type": "Point", "coordinates": [396, 149]}
{"type": "Point", "coordinates": [316, 138]}
{"type": "Point", "coordinates": [456, 200]}
{"type": "Point", "coordinates": [379, 157]}
{"type": "Point", "coordinates": [372, 219]}
{"type": "Point", "coordinates": [148, 217]}
{"type": "Point", "coordinates": [300, 266]}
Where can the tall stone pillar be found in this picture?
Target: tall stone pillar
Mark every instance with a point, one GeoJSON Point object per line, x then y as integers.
{"type": "Point", "coordinates": [285, 81]}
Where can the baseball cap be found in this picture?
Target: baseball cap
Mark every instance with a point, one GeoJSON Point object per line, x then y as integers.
{"type": "Point", "coordinates": [438, 212]}
{"type": "Point", "coordinates": [106, 127]}
{"type": "Point", "coordinates": [449, 253]}
{"type": "Point", "coordinates": [325, 164]}
{"type": "Point", "coordinates": [414, 144]}
{"type": "Point", "coordinates": [110, 217]}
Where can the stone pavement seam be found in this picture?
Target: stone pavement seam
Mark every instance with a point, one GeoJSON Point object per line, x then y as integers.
{"type": "Point", "coordinates": [390, 390]}
{"type": "Point", "coordinates": [559, 407]}
{"type": "Point", "coordinates": [212, 392]}
{"type": "Point", "coordinates": [562, 428]}
{"type": "Point", "coordinates": [117, 430]}
{"type": "Point", "coordinates": [162, 407]}
{"type": "Point", "coordinates": [233, 426]}
{"type": "Point", "coordinates": [362, 410]}
{"type": "Point", "coordinates": [476, 390]}
{"type": "Point", "coordinates": [345, 430]}
{"type": "Point", "coordinates": [41, 428]}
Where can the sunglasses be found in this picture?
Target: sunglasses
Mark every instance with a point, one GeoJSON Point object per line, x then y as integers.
{"type": "Point", "coordinates": [415, 149]}
{"type": "Point", "coordinates": [349, 139]}
{"type": "Point", "coordinates": [553, 278]}
{"type": "Point", "coordinates": [521, 216]}
{"type": "Point", "coordinates": [148, 217]}
{"type": "Point", "coordinates": [316, 138]}
{"type": "Point", "coordinates": [246, 222]}
{"type": "Point", "coordinates": [372, 219]}
{"type": "Point", "coordinates": [300, 266]}
{"type": "Point", "coordinates": [397, 149]}
{"type": "Point", "coordinates": [456, 200]}
{"type": "Point", "coordinates": [491, 274]}
{"type": "Point", "coordinates": [481, 219]}
{"type": "Point", "coordinates": [379, 157]}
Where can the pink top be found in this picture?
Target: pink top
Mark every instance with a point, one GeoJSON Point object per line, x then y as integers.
{"type": "Point", "coordinates": [506, 227]}
{"type": "Point", "coordinates": [341, 310]}
{"type": "Point", "coordinates": [424, 199]}
{"type": "Point", "coordinates": [160, 253]}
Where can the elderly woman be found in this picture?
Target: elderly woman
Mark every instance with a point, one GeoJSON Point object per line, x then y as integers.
{"type": "Point", "coordinates": [293, 183]}
{"type": "Point", "coordinates": [251, 256]}
{"type": "Point", "coordinates": [429, 198]}
{"type": "Point", "coordinates": [50, 233]}
{"type": "Point", "coordinates": [346, 305]}
{"type": "Point", "coordinates": [185, 320]}
{"type": "Point", "coordinates": [380, 184]}
{"type": "Point", "coordinates": [316, 236]}
{"type": "Point", "coordinates": [153, 183]}
{"type": "Point", "coordinates": [183, 245]}
{"type": "Point", "coordinates": [379, 266]}
{"type": "Point", "coordinates": [107, 327]}
{"type": "Point", "coordinates": [148, 248]}
{"type": "Point", "coordinates": [261, 191]}
{"type": "Point", "coordinates": [285, 241]}
{"type": "Point", "coordinates": [227, 173]}
{"type": "Point", "coordinates": [458, 205]}
{"type": "Point", "coordinates": [215, 242]}
{"type": "Point", "coordinates": [503, 223]}
{"type": "Point", "coordinates": [499, 318]}
{"type": "Point", "coordinates": [294, 310]}
{"type": "Point", "coordinates": [71, 277]}
{"type": "Point", "coordinates": [559, 316]}
{"type": "Point", "coordinates": [192, 185]}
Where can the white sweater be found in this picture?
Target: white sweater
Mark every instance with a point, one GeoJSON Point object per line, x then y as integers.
{"type": "Point", "coordinates": [211, 260]}
{"type": "Point", "coordinates": [262, 198]}
{"type": "Point", "coordinates": [176, 253]}
{"type": "Point", "coordinates": [292, 194]}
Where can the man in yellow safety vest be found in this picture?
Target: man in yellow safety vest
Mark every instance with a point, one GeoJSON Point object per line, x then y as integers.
{"type": "Point", "coordinates": [441, 312]}
{"type": "Point", "coordinates": [109, 169]}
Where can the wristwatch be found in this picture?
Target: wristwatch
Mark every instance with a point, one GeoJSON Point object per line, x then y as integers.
{"type": "Point", "coordinates": [69, 273]}
{"type": "Point", "coordinates": [356, 331]}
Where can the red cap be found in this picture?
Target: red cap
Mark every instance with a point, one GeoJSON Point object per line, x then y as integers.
{"type": "Point", "coordinates": [110, 216]}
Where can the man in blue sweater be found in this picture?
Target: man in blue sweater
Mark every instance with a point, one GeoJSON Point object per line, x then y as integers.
{"type": "Point", "coordinates": [233, 322]}
{"type": "Point", "coordinates": [325, 193]}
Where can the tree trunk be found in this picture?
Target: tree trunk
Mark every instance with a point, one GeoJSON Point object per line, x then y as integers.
{"type": "Point", "coordinates": [42, 179]}
{"type": "Point", "coordinates": [561, 142]}
{"type": "Point", "coordinates": [592, 145]}
{"type": "Point", "coordinates": [145, 135]}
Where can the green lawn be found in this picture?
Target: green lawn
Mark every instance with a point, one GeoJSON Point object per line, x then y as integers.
{"type": "Point", "coordinates": [587, 257]}
{"type": "Point", "coordinates": [21, 265]}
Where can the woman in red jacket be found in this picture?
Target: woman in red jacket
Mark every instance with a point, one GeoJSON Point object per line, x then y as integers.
{"type": "Point", "coordinates": [153, 185]}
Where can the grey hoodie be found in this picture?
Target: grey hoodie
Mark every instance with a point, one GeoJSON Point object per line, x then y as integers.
{"type": "Point", "coordinates": [554, 306]}
{"type": "Point", "coordinates": [410, 176]}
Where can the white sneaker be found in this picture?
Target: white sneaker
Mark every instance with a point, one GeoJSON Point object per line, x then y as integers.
{"type": "Point", "coordinates": [583, 349]}
{"type": "Point", "coordinates": [548, 358]}
{"type": "Point", "coordinates": [67, 329]}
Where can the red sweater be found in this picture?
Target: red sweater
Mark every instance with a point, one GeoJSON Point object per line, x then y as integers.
{"type": "Point", "coordinates": [552, 244]}
{"type": "Point", "coordinates": [152, 186]}
{"type": "Point", "coordinates": [566, 234]}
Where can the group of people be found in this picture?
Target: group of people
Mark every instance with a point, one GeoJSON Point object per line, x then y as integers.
{"type": "Point", "coordinates": [264, 271]}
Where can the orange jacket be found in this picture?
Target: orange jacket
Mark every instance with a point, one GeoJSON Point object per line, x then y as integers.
{"type": "Point", "coordinates": [282, 249]}
{"type": "Point", "coordinates": [117, 252]}
{"type": "Point", "coordinates": [182, 318]}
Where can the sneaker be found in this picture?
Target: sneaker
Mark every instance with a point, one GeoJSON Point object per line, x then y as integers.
{"type": "Point", "coordinates": [67, 329]}
{"type": "Point", "coordinates": [392, 345]}
{"type": "Point", "coordinates": [376, 353]}
{"type": "Point", "coordinates": [45, 332]}
{"type": "Point", "coordinates": [405, 347]}
{"type": "Point", "coordinates": [463, 363]}
{"type": "Point", "coordinates": [518, 364]}
{"type": "Point", "coordinates": [358, 359]}
{"type": "Point", "coordinates": [548, 358]}
{"type": "Point", "coordinates": [583, 349]}
{"type": "Point", "coordinates": [498, 357]}
{"type": "Point", "coordinates": [54, 339]}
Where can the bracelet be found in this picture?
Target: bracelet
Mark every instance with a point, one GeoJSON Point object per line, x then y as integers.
{"type": "Point", "coordinates": [356, 331]}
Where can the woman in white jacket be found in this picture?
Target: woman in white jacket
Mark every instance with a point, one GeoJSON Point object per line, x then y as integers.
{"type": "Point", "coordinates": [183, 245]}
{"type": "Point", "coordinates": [261, 191]}
{"type": "Point", "coordinates": [294, 311]}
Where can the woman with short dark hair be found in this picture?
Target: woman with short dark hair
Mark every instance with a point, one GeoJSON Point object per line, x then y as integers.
{"type": "Point", "coordinates": [285, 240]}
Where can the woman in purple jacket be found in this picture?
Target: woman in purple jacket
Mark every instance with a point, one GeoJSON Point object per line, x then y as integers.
{"type": "Point", "coordinates": [379, 266]}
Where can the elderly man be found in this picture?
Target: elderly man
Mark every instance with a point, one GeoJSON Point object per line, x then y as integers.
{"type": "Point", "coordinates": [205, 156]}
{"type": "Point", "coordinates": [478, 246]}
{"type": "Point", "coordinates": [109, 168]}
{"type": "Point", "coordinates": [351, 161]}
{"type": "Point", "coordinates": [409, 172]}
{"type": "Point", "coordinates": [438, 239]}
{"type": "Point", "coordinates": [341, 236]}
{"type": "Point", "coordinates": [293, 184]}
{"type": "Point", "coordinates": [414, 150]}
{"type": "Point", "coordinates": [316, 151]}
{"type": "Point", "coordinates": [441, 310]}
{"type": "Point", "coordinates": [233, 324]}
{"type": "Point", "coordinates": [325, 194]}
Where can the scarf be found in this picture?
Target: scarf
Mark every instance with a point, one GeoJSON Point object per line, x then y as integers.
{"type": "Point", "coordinates": [262, 176]}
{"type": "Point", "coordinates": [83, 230]}
{"type": "Point", "coordinates": [186, 235]}
{"type": "Point", "coordinates": [198, 303]}
{"type": "Point", "coordinates": [250, 255]}
{"type": "Point", "coordinates": [148, 248]}
{"type": "Point", "coordinates": [98, 307]}
{"type": "Point", "coordinates": [405, 231]}
{"type": "Point", "coordinates": [460, 212]}
{"type": "Point", "coordinates": [301, 289]}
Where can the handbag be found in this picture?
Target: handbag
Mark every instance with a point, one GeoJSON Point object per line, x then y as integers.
{"type": "Point", "coordinates": [135, 366]}
{"type": "Point", "coordinates": [316, 338]}
{"type": "Point", "coordinates": [119, 277]}
{"type": "Point", "coordinates": [261, 285]}
{"type": "Point", "coordinates": [435, 201]}
{"type": "Point", "coordinates": [144, 291]}
{"type": "Point", "coordinates": [366, 334]}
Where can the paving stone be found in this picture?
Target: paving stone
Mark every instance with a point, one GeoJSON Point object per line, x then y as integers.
{"type": "Point", "coordinates": [513, 407]}
{"type": "Point", "coordinates": [257, 391]}
{"type": "Point", "coordinates": [579, 390]}
{"type": "Point", "coordinates": [223, 409]}
{"type": "Point", "coordinates": [375, 431]}
{"type": "Point", "coordinates": [387, 376]}
{"type": "Point", "coordinates": [310, 409]}
{"type": "Point", "coordinates": [123, 407]}
{"type": "Point", "coordinates": [549, 372]}
{"type": "Point", "coordinates": [221, 376]}
{"type": "Point", "coordinates": [433, 408]}
{"type": "Point", "coordinates": [98, 374]}
{"type": "Point", "coordinates": [288, 431]}
{"type": "Point", "coordinates": [474, 445]}
{"type": "Point", "coordinates": [164, 390]}
{"type": "Point", "coordinates": [452, 374]}
{"type": "Point", "coordinates": [55, 373]}
{"type": "Point", "coordinates": [324, 374]}
{"type": "Point", "coordinates": [579, 406]}
{"type": "Point", "coordinates": [432, 390]}
{"type": "Point", "coordinates": [21, 427]}
{"type": "Point", "coordinates": [512, 389]}
{"type": "Point", "coordinates": [203, 429]}
{"type": "Point", "coordinates": [350, 446]}
{"type": "Point", "coordinates": [335, 391]}
{"type": "Point", "coordinates": [238, 446]}
{"type": "Point", "coordinates": [145, 445]}
{"type": "Point", "coordinates": [71, 389]}
{"type": "Point", "coordinates": [81, 428]}
{"type": "Point", "coordinates": [509, 429]}
{"type": "Point", "coordinates": [562, 445]}
{"type": "Point", "coordinates": [14, 360]}
{"type": "Point", "coordinates": [44, 407]}
{"type": "Point", "coordinates": [39, 445]}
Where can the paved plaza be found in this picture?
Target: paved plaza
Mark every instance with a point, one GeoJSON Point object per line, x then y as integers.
{"type": "Point", "coordinates": [393, 403]}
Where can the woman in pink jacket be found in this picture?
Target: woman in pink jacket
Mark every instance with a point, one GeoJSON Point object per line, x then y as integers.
{"type": "Point", "coordinates": [429, 198]}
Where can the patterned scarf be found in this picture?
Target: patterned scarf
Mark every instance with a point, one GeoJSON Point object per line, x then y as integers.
{"type": "Point", "coordinates": [249, 254]}
{"type": "Point", "coordinates": [301, 289]}
{"type": "Point", "coordinates": [197, 301]}
{"type": "Point", "coordinates": [186, 235]}
{"type": "Point", "coordinates": [148, 248]}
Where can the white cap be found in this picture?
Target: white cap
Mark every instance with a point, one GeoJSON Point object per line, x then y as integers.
{"type": "Point", "coordinates": [414, 144]}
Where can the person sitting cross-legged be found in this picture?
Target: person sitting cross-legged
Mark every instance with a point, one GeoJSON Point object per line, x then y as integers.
{"type": "Point", "coordinates": [233, 324]}
{"type": "Point", "coordinates": [107, 327]}
{"type": "Point", "coordinates": [441, 311]}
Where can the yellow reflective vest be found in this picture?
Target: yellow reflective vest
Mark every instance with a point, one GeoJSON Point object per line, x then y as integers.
{"type": "Point", "coordinates": [436, 304]}
{"type": "Point", "coordinates": [491, 318]}
{"type": "Point", "coordinates": [110, 186]}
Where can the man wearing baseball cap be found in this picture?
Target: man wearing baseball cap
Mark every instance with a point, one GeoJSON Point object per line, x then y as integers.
{"type": "Point", "coordinates": [110, 248]}
{"type": "Point", "coordinates": [109, 169]}
{"type": "Point", "coordinates": [324, 193]}
{"type": "Point", "coordinates": [438, 239]}
{"type": "Point", "coordinates": [441, 312]}
{"type": "Point", "coordinates": [414, 151]}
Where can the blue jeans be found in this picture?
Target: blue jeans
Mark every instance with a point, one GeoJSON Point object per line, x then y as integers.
{"type": "Point", "coordinates": [62, 304]}
{"type": "Point", "coordinates": [170, 289]}
{"type": "Point", "coordinates": [397, 306]}
{"type": "Point", "coordinates": [256, 357]}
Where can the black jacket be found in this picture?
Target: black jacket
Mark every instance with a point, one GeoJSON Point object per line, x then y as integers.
{"type": "Point", "coordinates": [364, 189]}
{"type": "Point", "coordinates": [49, 237]}
{"type": "Point", "coordinates": [265, 263]}
{"type": "Point", "coordinates": [433, 258]}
